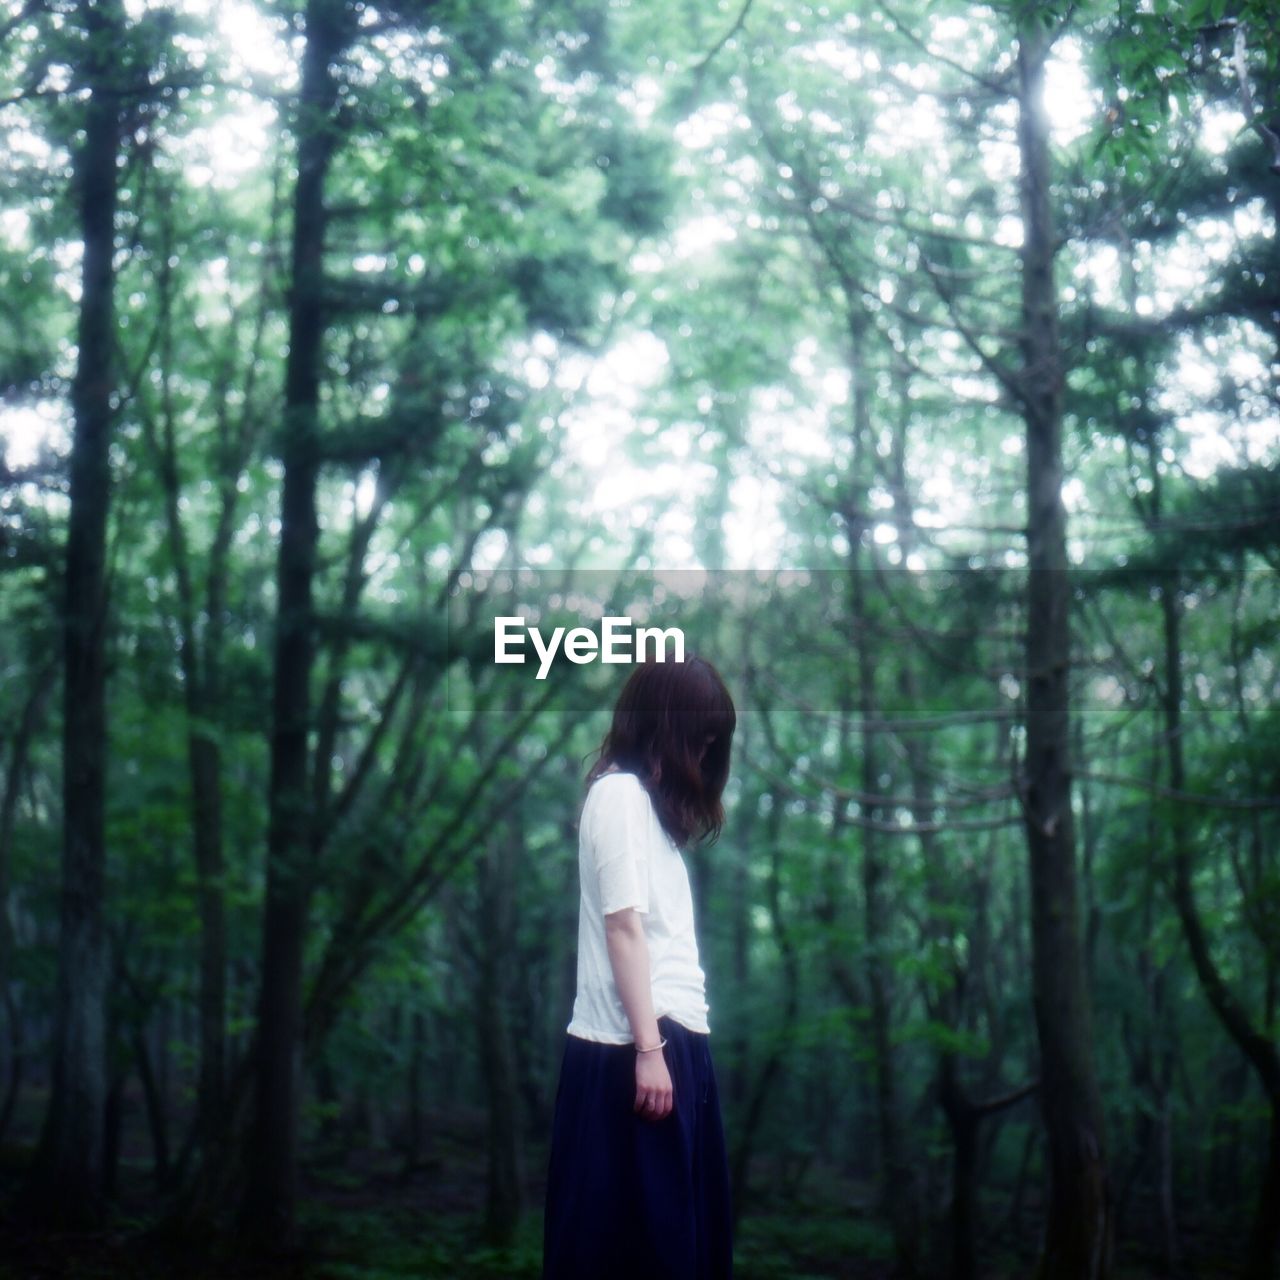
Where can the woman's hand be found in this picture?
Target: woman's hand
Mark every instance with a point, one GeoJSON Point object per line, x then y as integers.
{"type": "Point", "coordinates": [629, 957]}
{"type": "Point", "coordinates": [654, 1094]}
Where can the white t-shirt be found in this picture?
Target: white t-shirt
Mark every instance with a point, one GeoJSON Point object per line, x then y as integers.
{"type": "Point", "coordinates": [626, 859]}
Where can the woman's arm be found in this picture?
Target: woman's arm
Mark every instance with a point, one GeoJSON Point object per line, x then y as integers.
{"type": "Point", "coordinates": [629, 957]}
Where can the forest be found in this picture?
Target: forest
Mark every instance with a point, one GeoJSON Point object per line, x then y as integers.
{"type": "Point", "coordinates": [919, 361]}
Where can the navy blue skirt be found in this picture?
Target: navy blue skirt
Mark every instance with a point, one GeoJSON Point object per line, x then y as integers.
{"type": "Point", "coordinates": [629, 1198]}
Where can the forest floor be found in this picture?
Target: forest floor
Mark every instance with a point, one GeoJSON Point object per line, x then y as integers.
{"type": "Point", "coordinates": [363, 1218]}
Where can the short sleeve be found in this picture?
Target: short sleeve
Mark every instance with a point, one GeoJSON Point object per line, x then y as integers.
{"type": "Point", "coordinates": [618, 832]}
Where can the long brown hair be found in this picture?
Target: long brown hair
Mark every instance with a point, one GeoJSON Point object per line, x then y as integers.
{"type": "Point", "coordinates": [666, 714]}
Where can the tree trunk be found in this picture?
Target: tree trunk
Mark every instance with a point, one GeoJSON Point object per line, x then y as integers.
{"type": "Point", "coordinates": [415, 1102]}
{"type": "Point", "coordinates": [897, 1196]}
{"type": "Point", "coordinates": [896, 1199]}
{"type": "Point", "coordinates": [66, 1182]}
{"type": "Point", "coordinates": [1078, 1231]}
{"type": "Point", "coordinates": [205, 769]}
{"type": "Point", "coordinates": [740, 928]}
{"type": "Point", "coordinates": [33, 709]}
{"type": "Point", "coordinates": [963, 1122]}
{"type": "Point", "coordinates": [1018, 1199]}
{"type": "Point", "coordinates": [267, 1216]}
{"type": "Point", "coordinates": [497, 959]}
{"type": "Point", "coordinates": [1168, 1210]}
{"type": "Point", "coordinates": [112, 1131]}
{"type": "Point", "coordinates": [157, 1119]}
{"type": "Point", "coordinates": [201, 692]}
{"type": "Point", "coordinates": [770, 1073]}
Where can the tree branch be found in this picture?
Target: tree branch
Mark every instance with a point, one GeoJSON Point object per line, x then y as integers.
{"type": "Point", "coordinates": [701, 65]}
{"type": "Point", "coordinates": [1251, 113]}
{"type": "Point", "coordinates": [1002, 87]}
{"type": "Point", "coordinates": [1186, 797]}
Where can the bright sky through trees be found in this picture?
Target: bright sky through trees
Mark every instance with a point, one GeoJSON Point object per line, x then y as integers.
{"type": "Point", "coordinates": [608, 392]}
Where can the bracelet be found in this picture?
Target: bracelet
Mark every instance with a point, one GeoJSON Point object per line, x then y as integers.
{"type": "Point", "coordinates": [653, 1048]}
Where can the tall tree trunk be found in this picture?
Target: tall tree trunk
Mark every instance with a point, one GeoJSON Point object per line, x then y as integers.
{"type": "Point", "coordinates": [740, 925]}
{"type": "Point", "coordinates": [268, 1208]}
{"type": "Point", "coordinates": [963, 1119]}
{"type": "Point", "coordinates": [415, 1102]}
{"type": "Point", "coordinates": [897, 1194]}
{"type": "Point", "coordinates": [497, 958]}
{"type": "Point", "coordinates": [66, 1183]}
{"type": "Point", "coordinates": [33, 709]}
{"type": "Point", "coordinates": [201, 692]}
{"type": "Point", "coordinates": [157, 1117]}
{"type": "Point", "coordinates": [1078, 1231]}
{"type": "Point", "coordinates": [113, 1129]}
{"type": "Point", "coordinates": [773, 1066]}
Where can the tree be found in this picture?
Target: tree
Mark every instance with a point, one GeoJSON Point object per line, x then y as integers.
{"type": "Point", "coordinates": [1079, 1233]}
{"type": "Point", "coordinates": [66, 1181]}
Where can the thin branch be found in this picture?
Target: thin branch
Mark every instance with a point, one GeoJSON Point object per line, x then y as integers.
{"type": "Point", "coordinates": [1186, 797]}
{"type": "Point", "coordinates": [29, 95]}
{"type": "Point", "coordinates": [844, 796]}
{"type": "Point", "coordinates": [1002, 87]}
{"type": "Point", "coordinates": [992, 1105]}
{"type": "Point", "coordinates": [1007, 379]}
{"type": "Point", "coordinates": [892, 724]}
{"type": "Point", "coordinates": [1251, 113]}
{"type": "Point", "coordinates": [701, 65]}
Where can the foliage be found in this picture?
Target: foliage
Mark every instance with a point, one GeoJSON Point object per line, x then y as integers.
{"type": "Point", "coordinates": [609, 289]}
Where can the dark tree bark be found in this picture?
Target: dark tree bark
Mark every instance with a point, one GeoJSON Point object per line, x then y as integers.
{"type": "Point", "coordinates": [1078, 1232]}
{"type": "Point", "coordinates": [201, 692]}
{"type": "Point", "coordinates": [267, 1216]}
{"type": "Point", "coordinates": [112, 1130]}
{"type": "Point", "coordinates": [897, 1194]}
{"type": "Point", "coordinates": [415, 1100]}
{"type": "Point", "coordinates": [33, 709]}
{"type": "Point", "coordinates": [772, 1067]}
{"type": "Point", "coordinates": [153, 1098]}
{"type": "Point", "coordinates": [66, 1180]}
{"type": "Point", "coordinates": [1151, 1064]}
{"type": "Point", "coordinates": [496, 955]}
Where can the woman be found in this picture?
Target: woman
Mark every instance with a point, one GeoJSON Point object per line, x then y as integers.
{"type": "Point", "coordinates": [637, 1181]}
